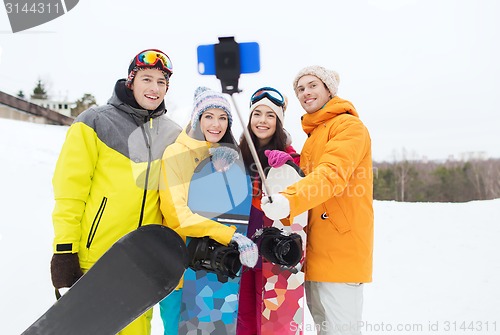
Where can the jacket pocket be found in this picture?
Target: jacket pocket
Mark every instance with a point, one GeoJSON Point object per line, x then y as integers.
{"type": "Point", "coordinates": [95, 223]}
{"type": "Point", "coordinates": [338, 220]}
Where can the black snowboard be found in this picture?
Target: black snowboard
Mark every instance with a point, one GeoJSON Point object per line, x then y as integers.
{"type": "Point", "coordinates": [137, 272]}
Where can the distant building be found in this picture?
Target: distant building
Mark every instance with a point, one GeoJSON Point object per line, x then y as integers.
{"type": "Point", "coordinates": [62, 107]}
{"type": "Point", "coordinates": [12, 107]}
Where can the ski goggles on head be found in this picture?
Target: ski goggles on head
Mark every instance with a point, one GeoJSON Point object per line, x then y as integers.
{"type": "Point", "coordinates": [268, 92]}
{"type": "Point", "coordinates": [151, 57]}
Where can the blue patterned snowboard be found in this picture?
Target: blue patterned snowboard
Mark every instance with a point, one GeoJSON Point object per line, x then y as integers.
{"type": "Point", "coordinates": [209, 306]}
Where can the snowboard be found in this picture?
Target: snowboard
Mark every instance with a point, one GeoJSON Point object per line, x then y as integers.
{"type": "Point", "coordinates": [209, 302]}
{"type": "Point", "coordinates": [137, 272]}
{"type": "Point", "coordinates": [283, 288]}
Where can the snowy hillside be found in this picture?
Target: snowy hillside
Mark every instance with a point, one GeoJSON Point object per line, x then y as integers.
{"type": "Point", "coordinates": [436, 266]}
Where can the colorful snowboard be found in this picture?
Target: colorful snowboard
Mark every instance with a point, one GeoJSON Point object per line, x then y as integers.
{"type": "Point", "coordinates": [209, 306]}
{"type": "Point", "coordinates": [138, 271]}
{"type": "Point", "coordinates": [283, 288]}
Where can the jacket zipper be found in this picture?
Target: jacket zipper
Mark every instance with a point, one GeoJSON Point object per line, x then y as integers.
{"type": "Point", "coordinates": [147, 140]}
{"type": "Point", "coordinates": [97, 220]}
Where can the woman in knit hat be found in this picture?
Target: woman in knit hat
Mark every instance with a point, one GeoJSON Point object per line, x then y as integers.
{"type": "Point", "coordinates": [338, 193]}
{"type": "Point", "coordinates": [273, 145]}
{"type": "Point", "coordinates": [207, 134]}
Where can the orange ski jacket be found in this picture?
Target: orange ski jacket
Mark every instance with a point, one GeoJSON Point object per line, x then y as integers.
{"type": "Point", "coordinates": [338, 192]}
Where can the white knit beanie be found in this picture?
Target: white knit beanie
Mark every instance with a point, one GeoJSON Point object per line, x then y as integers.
{"type": "Point", "coordinates": [279, 111]}
{"type": "Point", "coordinates": [329, 77]}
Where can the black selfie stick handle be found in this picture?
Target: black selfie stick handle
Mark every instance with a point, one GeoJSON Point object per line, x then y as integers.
{"type": "Point", "coordinates": [227, 64]}
{"type": "Point", "coordinates": [228, 70]}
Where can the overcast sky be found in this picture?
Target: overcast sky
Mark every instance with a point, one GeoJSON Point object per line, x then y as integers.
{"type": "Point", "coordinates": [423, 74]}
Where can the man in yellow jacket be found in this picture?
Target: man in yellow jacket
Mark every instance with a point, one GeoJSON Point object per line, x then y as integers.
{"type": "Point", "coordinates": [338, 192]}
{"type": "Point", "coordinates": [106, 178]}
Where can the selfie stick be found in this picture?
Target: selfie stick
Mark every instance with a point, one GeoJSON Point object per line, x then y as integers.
{"type": "Point", "coordinates": [253, 151]}
{"type": "Point", "coordinates": [227, 69]}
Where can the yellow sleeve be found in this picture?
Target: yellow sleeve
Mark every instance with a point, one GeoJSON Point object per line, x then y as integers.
{"type": "Point", "coordinates": [175, 176]}
{"type": "Point", "coordinates": [71, 183]}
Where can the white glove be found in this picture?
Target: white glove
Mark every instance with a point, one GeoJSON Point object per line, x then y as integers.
{"type": "Point", "coordinates": [249, 252]}
{"type": "Point", "coordinates": [278, 209]}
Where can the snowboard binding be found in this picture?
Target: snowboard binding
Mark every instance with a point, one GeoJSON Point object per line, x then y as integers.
{"type": "Point", "coordinates": [212, 256]}
{"type": "Point", "coordinates": [278, 246]}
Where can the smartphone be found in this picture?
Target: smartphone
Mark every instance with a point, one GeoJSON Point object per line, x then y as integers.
{"type": "Point", "coordinates": [249, 58]}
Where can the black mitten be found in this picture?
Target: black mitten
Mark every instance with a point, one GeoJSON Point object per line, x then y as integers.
{"type": "Point", "coordinates": [65, 270]}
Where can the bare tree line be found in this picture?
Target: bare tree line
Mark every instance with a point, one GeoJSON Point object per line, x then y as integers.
{"type": "Point", "coordinates": [449, 181]}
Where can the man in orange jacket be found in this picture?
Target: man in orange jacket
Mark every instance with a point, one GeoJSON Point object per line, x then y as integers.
{"type": "Point", "coordinates": [338, 192]}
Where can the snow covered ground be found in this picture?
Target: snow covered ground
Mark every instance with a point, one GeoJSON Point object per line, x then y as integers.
{"type": "Point", "coordinates": [436, 265]}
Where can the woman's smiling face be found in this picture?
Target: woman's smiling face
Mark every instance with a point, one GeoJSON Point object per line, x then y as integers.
{"type": "Point", "coordinates": [263, 124]}
{"type": "Point", "coordinates": [213, 124]}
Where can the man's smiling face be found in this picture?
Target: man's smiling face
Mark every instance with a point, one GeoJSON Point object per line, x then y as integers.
{"type": "Point", "coordinates": [149, 87]}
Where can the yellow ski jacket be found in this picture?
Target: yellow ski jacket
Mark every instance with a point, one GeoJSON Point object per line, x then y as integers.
{"type": "Point", "coordinates": [106, 177]}
{"type": "Point", "coordinates": [178, 164]}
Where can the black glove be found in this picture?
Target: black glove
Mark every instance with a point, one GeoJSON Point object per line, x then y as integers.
{"type": "Point", "coordinates": [65, 270]}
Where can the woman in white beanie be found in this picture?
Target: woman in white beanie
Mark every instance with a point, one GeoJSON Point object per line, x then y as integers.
{"type": "Point", "coordinates": [273, 146]}
{"type": "Point", "coordinates": [208, 134]}
{"type": "Point", "coordinates": [338, 192]}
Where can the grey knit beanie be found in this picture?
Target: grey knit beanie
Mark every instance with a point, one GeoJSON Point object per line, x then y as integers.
{"type": "Point", "coordinates": [205, 98]}
{"type": "Point", "coordinates": [329, 77]}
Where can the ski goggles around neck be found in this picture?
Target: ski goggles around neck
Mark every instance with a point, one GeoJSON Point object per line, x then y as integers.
{"type": "Point", "coordinates": [151, 57]}
{"type": "Point", "coordinates": [268, 92]}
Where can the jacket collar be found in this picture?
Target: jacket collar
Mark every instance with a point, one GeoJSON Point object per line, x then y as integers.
{"type": "Point", "coordinates": [336, 106]}
{"type": "Point", "coordinates": [192, 143]}
{"type": "Point", "coordinates": [124, 100]}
